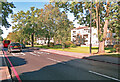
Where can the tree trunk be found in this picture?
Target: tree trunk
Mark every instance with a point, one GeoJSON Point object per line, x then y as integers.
{"type": "Point", "coordinates": [102, 43]}
{"type": "Point", "coordinates": [101, 47]}
{"type": "Point", "coordinates": [49, 38]}
{"type": "Point", "coordinates": [48, 41]}
{"type": "Point", "coordinates": [111, 38]}
{"type": "Point", "coordinates": [32, 37]}
{"type": "Point", "coordinates": [63, 47]}
{"type": "Point", "coordinates": [54, 40]}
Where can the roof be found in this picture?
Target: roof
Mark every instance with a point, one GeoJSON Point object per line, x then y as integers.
{"type": "Point", "coordinates": [84, 27]}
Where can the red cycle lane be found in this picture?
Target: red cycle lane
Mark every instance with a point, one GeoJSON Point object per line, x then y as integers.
{"type": "Point", "coordinates": [15, 72]}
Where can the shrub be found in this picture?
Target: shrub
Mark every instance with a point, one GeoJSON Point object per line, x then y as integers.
{"type": "Point", "coordinates": [37, 43]}
{"type": "Point", "coordinates": [58, 46]}
{"type": "Point", "coordinates": [78, 44]}
{"type": "Point", "coordinates": [51, 44]}
{"type": "Point", "coordinates": [73, 45]}
{"type": "Point", "coordinates": [67, 44]}
{"type": "Point", "coordinates": [117, 47]}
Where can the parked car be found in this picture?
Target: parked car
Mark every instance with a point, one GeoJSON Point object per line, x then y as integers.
{"type": "Point", "coordinates": [14, 47]}
{"type": "Point", "coordinates": [23, 46]}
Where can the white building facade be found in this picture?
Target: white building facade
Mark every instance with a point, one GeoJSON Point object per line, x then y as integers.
{"type": "Point", "coordinates": [43, 41]}
{"type": "Point", "coordinates": [84, 33]}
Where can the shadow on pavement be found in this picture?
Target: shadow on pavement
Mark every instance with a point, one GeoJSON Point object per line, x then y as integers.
{"type": "Point", "coordinates": [16, 61]}
{"type": "Point", "coordinates": [2, 63]}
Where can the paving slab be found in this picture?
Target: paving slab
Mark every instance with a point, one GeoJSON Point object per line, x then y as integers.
{"type": "Point", "coordinates": [4, 72]}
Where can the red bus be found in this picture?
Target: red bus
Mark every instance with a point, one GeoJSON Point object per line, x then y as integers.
{"type": "Point", "coordinates": [6, 43]}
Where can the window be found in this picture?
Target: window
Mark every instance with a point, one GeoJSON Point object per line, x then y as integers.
{"type": "Point", "coordinates": [85, 36]}
{"type": "Point", "coordinates": [7, 41]}
{"type": "Point", "coordinates": [74, 32]}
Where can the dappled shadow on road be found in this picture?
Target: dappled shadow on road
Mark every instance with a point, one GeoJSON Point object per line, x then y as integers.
{"type": "Point", "coordinates": [76, 69]}
{"type": "Point", "coordinates": [57, 71]}
{"type": "Point", "coordinates": [16, 61]}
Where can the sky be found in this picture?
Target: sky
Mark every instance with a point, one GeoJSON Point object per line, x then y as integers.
{"type": "Point", "coordinates": [25, 5]}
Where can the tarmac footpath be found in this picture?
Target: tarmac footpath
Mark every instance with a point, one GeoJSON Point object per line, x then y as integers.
{"type": "Point", "coordinates": [4, 71]}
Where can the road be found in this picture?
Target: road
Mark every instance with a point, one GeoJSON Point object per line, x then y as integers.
{"type": "Point", "coordinates": [37, 65]}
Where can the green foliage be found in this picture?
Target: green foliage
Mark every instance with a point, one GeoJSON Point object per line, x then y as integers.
{"type": "Point", "coordinates": [1, 39]}
{"type": "Point", "coordinates": [1, 31]}
{"type": "Point", "coordinates": [51, 44]}
{"type": "Point", "coordinates": [101, 12]}
{"type": "Point", "coordinates": [114, 23]}
{"type": "Point", "coordinates": [45, 23]}
{"type": "Point", "coordinates": [117, 47]}
{"type": "Point", "coordinates": [6, 10]}
{"type": "Point", "coordinates": [67, 44]}
{"type": "Point", "coordinates": [73, 45]}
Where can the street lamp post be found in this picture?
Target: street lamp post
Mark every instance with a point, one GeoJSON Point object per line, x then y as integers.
{"type": "Point", "coordinates": [90, 27]}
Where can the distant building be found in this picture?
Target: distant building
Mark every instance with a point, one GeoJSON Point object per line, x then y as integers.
{"type": "Point", "coordinates": [81, 35]}
{"type": "Point", "coordinates": [43, 41]}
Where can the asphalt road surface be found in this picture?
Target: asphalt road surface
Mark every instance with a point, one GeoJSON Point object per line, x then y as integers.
{"type": "Point", "coordinates": [37, 65]}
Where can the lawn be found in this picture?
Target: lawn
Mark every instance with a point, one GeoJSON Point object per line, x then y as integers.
{"type": "Point", "coordinates": [83, 49]}
{"type": "Point", "coordinates": [77, 49]}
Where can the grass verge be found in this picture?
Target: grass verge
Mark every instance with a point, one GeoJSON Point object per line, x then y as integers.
{"type": "Point", "coordinates": [77, 49]}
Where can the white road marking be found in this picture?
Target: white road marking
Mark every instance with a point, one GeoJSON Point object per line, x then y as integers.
{"type": "Point", "coordinates": [104, 75]}
{"type": "Point", "coordinates": [41, 52]}
{"type": "Point", "coordinates": [16, 54]}
{"type": "Point", "coordinates": [55, 60]}
{"type": "Point", "coordinates": [38, 52]}
{"type": "Point", "coordinates": [13, 54]}
{"type": "Point", "coordinates": [23, 53]}
{"type": "Point", "coordinates": [32, 53]}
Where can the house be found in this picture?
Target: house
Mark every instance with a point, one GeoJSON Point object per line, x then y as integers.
{"type": "Point", "coordinates": [81, 35]}
{"type": "Point", "coordinates": [43, 41]}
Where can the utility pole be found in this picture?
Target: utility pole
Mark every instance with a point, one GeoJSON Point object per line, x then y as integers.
{"type": "Point", "coordinates": [90, 27]}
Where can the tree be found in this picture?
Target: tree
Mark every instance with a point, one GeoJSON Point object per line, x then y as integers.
{"type": "Point", "coordinates": [44, 23]}
{"type": "Point", "coordinates": [13, 36]}
{"type": "Point", "coordinates": [100, 16]}
{"type": "Point", "coordinates": [6, 10]}
{"type": "Point", "coordinates": [64, 27]}
{"type": "Point", "coordinates": [114, 24]}
{"type": "Point", "coordinates": [56, 25]}
{"type": "Point", "coordinates": [1, 32]}
{"type": "Point", "coordinates": [27, 22]}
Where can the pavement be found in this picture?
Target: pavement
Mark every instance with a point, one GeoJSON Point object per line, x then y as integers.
{"type": "Point", "coordinates": [100, 58]}
{"type": "Point", "coordinates": [4, 72]}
